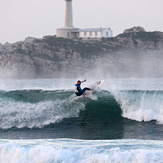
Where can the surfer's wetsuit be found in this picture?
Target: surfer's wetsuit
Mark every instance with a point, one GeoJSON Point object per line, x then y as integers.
{"type": "Point", "coordinates": [79, 91]}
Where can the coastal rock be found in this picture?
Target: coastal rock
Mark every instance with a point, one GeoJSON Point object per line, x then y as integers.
{"type": "Point", "coordinates": [135, 29]}
{"type": "Point", "coordinates": [57, 57]}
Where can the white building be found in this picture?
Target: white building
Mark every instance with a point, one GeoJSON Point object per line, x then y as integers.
{"type": "Point", "coordinates": [69, 31]}
{"type": "Point", "coordinates": [95, 33]}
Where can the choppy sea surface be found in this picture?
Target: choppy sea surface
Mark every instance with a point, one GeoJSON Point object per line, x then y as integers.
{"type": "Point", "coordinates": [43, 121]}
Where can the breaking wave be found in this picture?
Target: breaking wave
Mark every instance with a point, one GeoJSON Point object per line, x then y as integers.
{"type": "Point", "coordinates": [38, 108]}
{"type": "Point", "coordinates": [78, 151]}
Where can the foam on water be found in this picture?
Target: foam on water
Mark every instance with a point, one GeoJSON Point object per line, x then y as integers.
{"type": "Point", "coordinates": [141, 105]}
{"type": "Point", "coordinates": [24, 114]}
{"type": "Point", "coordinates": [143, 100]}
{"type": "Point", "coordinates": [80, 151]}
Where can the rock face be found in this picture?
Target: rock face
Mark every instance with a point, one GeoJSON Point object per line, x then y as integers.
{"type": "Point", "coordinates": [134, 29]}
{"type": "Point", "coordinates": [51, 57]}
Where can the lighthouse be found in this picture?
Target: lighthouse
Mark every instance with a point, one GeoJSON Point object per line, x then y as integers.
{"type": "Point", "coordinates": [68, 14]}
{"type": "Point", "coordinates": [71, 32]}
{"type": "Point", "coordinates": [68, 31]}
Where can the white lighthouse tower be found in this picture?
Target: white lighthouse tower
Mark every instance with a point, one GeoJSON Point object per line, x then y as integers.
{"type": "Point", "coordinates": [68, 31]}
{"type": "Point", "coordinates": [68, 14]}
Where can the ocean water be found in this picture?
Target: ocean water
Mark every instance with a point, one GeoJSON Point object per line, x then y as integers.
{"type": "Point", "coordinates": [43, 121]}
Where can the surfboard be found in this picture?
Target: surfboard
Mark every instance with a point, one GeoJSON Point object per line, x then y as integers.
{"type": "Point", "coordinates": [94, 88]}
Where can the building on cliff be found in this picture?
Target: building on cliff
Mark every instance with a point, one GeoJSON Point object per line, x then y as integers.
{"type": "Point", "coordinates": [69, 31]}
{"type": "Point", "coordinates": [95, 33]}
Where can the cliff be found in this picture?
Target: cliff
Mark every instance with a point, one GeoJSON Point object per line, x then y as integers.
{"type": "Point", "coordinates": [57, 57]}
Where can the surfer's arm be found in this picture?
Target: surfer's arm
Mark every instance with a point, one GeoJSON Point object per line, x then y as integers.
{"type": "Point", "coordinates": [83, 81]}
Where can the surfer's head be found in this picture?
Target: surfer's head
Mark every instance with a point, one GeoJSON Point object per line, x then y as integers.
{"type": "Point", "coordinates": [79, 82]}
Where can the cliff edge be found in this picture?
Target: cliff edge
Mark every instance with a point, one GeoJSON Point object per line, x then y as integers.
{"type": "Point", "coordinates": [51, 57]}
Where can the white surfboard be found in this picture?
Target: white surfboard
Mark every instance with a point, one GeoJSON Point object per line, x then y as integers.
{"type": "Point", "coordinates": [94, 88]}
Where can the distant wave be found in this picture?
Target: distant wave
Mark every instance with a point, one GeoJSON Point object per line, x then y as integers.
{"type": "Point", "coordinates": [37, 108]}
{"type": "Point", "coordinates": [78, 151]}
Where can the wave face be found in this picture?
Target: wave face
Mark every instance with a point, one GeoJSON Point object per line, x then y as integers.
{"type": "Point", "coordinates": [78, 151]}
{"type": "Point", "coordinates": [124, 111]}
{"type": "Point", "coordinates": [36, 108]}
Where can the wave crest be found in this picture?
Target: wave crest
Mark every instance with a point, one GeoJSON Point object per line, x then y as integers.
{"type": "Point", "coordinates": [39, 108]}
{"type": "Point", "coordinates": [141, 105]}
{"type": "Point", "coordinates": [20, 114]}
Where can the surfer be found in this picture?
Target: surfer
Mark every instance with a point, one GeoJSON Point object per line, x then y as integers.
{"type": "Point", "coordinates": [78, 90]}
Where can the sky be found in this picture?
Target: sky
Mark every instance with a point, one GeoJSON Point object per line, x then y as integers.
{"type": "Point", "coordinates": [37, 18]}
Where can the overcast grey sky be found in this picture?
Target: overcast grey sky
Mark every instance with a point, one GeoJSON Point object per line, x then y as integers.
{"type": "Point", "coordinates": [37, 18]}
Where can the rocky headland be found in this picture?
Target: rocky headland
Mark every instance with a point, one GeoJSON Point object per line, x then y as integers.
{"type": "Point", "coordinates": [134, 53]}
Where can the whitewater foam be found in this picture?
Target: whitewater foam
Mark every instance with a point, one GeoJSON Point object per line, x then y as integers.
{"type": "Point", "coordinates": [24, 114]}
{"type": "Point", "coordinates": [141, 105]}
{"type": "Point", "coordinates": [78, 151]}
